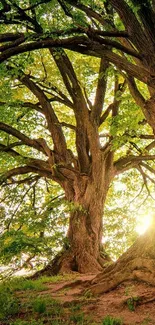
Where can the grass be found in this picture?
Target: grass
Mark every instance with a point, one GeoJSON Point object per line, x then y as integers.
{"type": "Point", "coordinates": [9, 304]}
{"type": "Point", "coordinates": [108, 320]}
{"type": "Point", "coordinates": [23, 322]}
{"type": "Point", "coordinates": [22, 302]}
{"type": "Point", "coordinates": [132, 303]}
{"type": "Point", "coordinates": [23, 284]}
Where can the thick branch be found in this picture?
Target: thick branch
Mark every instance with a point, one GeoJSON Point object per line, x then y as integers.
{"type": "Point", "coordinates": [9, 149]}
{"type": "Point", "coordinates": [80, 106]}
{"type": "Point", "coordinates": [17, 171]}
{"type": "Point", "coordinates": [52, 120]}
{"type": "Point", "coordinates": [82, 45]}
{"type": "Point", "coordinates": [147, 17]}
{"type": "Point", "coordinates": [106, 113]}
{"type": "Point", "coordinates": [131, 24]}
{"type": "Point", "coordinates": [126, 163]}
{"type": "Point", "coordinates": [118, 46]}
{"type": "Point", "coordinates": [19, 135]}
{"type": "Point", "coordinates": [7, 37]}
{"type": "Point", "coordinates": [100, 91]}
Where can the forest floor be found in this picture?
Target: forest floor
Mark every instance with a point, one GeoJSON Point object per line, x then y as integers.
{"type": "Point", "coordinates": [65, 300]}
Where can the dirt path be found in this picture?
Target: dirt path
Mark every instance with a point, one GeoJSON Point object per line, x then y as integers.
{"type": "Point", "coordinates": [131, 301]}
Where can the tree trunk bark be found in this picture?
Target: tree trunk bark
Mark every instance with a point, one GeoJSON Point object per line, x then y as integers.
{"type": "Point", "coordinates": [83, 252]}
{"type": "Point", "coordinates": [138, 264]}
{"type": "Point", "coordinates": [83, 249]}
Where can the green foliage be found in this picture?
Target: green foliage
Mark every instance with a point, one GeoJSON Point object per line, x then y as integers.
{"type": "Point", "coordinates": [23, 322]}
{"type": "Point", "coordinates": [27, 224]}
{"type": "Point", "coordinates": [125, 125]}
{"type": "Point", "coordinates": [75, 307]}
{"type": "Point", "coordinates": [33, 214]}
{"type": "Point", "coordinates": [9, 304]}
{"type": "Point", "coordinates": [39, 305]}
{"type": "Point", "coordinates": [108, 320]}
{"type": "Point", "coordinates": [24, 284]}
{"type": "Point", "coordinates": [132, 302]}
{"type": "Point", "coordinates": [77, 318]}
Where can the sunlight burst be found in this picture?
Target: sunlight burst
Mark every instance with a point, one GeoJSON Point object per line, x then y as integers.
{"type": "Point", "coordinates": [144, 223]}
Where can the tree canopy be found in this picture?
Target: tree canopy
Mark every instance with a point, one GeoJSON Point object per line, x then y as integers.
{"type": "Point", "coordinates": [77, 110]}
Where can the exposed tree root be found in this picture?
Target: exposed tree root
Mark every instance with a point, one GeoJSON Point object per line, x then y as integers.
{"type": "Point", "coordinates": [138, 263]}
{"type": "Point", "coordinates": [67, 262]}
{"type": "Point", "coordinates": [62, 263]}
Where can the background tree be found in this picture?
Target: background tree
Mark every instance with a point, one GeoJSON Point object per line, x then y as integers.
{"type": "Point", "coordinates": [86, 172]}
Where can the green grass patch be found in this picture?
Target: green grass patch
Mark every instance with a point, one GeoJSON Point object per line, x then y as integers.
{"type": "Point", "coordinates": [44, 305]}
{"type": "Point", "coordinates": [23, 284]}
{"type": "Point", "coordinates": [23, 322]}
{"type": "Point", "coordinates": [36, 308]}
{"type": "Point", "coordinates": [9, 304]}
{"type": "Point", "coordinates": [108, 320]}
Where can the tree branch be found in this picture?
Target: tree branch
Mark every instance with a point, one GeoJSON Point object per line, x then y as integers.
{"type": "Point", "coordinates": [80, 106]}
{"type": "Point", "coordinates": [19, 135]}
{"type": "Point", "coordinates": [131, 161]}
{"type": "Point", "coordinates": [24, 104]}
{"type": "Point", "coordinates": [100, 92]}
{"type": "Point", "coordinates": [116, 45]}
{"type": "Point", "coordinates": [144, 176]}
{"type": "Point", "coordinates": [16, 171]}
{"type": "Point", "coordinates": [106, 113]}
{"type": "Point", "coordinates": [7, 37]}
{"type": "Point", "coordinates": [62, 99]}
{"type": "Point", "coordinates": [148, 167]}
{"type": "Point", "coordinates": [52, 120]}
{"type": "Point", "coordinates": [82, 45]}
{"type": "Point", "coordinates": [67, 125]}
{"type": "Point", "coordinates": [33, 6]}
{"type": "Point", "coordinates": [147, 17]}
{"type": "Point", "coordinates": [9, 150]}
{"type": "Point", "coordinates": [131, 24]}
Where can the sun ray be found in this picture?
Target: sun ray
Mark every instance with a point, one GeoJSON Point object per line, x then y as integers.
{"type": "Point", "coordinates": [143, 223]}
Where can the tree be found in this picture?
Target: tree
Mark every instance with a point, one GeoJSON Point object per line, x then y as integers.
{"type": "Point", "coordinates": [89, 30]}
{"type": "Point", "coordinates": [86, 171]}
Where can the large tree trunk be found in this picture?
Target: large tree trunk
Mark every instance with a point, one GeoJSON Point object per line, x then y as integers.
{"type": "Point", "coordinates": [83, 248]}
{"type": "Point", "coordinates": [138, 263]}
{"type": "Point", "coordinates": [83, 251]}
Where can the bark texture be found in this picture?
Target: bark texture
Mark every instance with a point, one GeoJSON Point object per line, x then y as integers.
{"type": "Point", "coordinates": [138, 263]}
{"type": "Point", "coordinates": [84, 252]}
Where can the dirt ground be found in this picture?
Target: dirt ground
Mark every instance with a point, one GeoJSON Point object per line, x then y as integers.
{"type": "Point", "coordinates": [133, 302]}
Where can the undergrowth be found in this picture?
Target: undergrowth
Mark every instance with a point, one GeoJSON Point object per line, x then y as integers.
{"type": "Point", "coordinates": [108, 320]}
{"type": "Point", "coordinates": [22, 302]}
